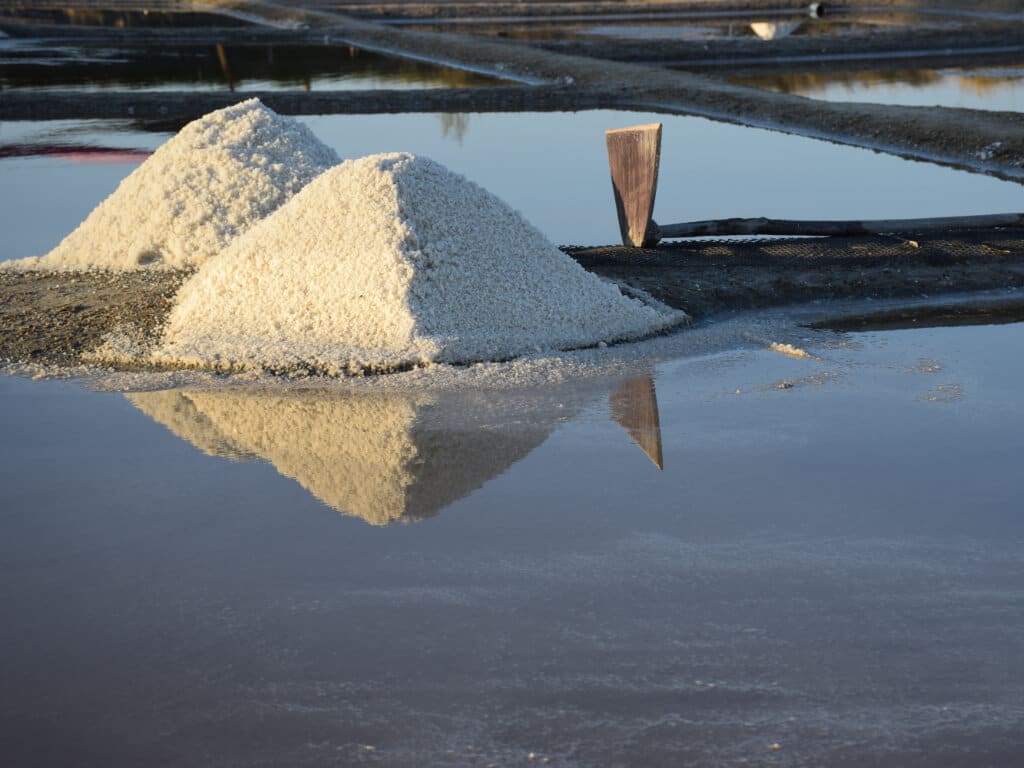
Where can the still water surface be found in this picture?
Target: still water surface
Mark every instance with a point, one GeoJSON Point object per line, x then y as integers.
{"type": "Point", "coordinates": [999, 89]}
{"type": "Point", "coordinates": [684, 25]}
{"type": "Point", "coordinates": [827, 571]}
{"type": "Point", "coordinates": [43, 66]}
{"type": "Point", "coordinates": [552, 167]}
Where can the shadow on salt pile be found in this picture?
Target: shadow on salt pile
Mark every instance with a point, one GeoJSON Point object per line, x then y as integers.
{"type": "Point", "coordinates": [390, 458]}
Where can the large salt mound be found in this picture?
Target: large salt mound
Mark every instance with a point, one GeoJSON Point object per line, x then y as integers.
{"type": "Point", "coordinates": [220, 175]}
{"type": "Point", "coordinates": [391, 261]}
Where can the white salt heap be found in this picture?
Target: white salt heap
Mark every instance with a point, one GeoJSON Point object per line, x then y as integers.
{"type": "Point", "coordinates": [215, 179]}
{"type": "Point", "coordinates": [391, 261]}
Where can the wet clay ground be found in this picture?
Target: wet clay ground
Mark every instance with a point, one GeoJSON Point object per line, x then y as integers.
{"type": "Point", "coordinates": [53, 318]}
{"type": "Point", "coordinates": [56, 318]}
{"type": "Point", "coordinates": [706, 278]}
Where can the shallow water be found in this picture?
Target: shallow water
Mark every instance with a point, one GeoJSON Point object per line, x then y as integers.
{"type": "Point", "coordinates": [552, 167]}
{"type": "Point", "coordinates": [151, 17]}
{"type": "Point", "coordinates": [774, 27]}
{"type": "Point", "coordinates": [990, 88]}
{"type": "Point", "coordinates": [47, 66]}
{"type": "Point", "coordinates": [827, 571]}
{"type": "Point", "coordinates": [682, 25]}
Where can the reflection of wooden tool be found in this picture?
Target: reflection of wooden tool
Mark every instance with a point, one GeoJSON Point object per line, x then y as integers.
{"type": "Point", "coordinates": [634, 407]}
{"type": "Point", "coordinates": [633, 158]}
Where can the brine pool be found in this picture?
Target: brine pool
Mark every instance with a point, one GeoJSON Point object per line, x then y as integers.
{"type": "Point", "coordinates": [552, 167]}
{"type": "Point", "coordinates": [695, 550]}
{"type": "Point", "coordinates": [827, 570]}
{"type": "Point", "coordinates": [46, 66]}
{"type": "Point", "coordinates": [999, 89]}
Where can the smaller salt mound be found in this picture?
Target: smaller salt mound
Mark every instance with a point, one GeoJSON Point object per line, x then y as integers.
{"type": "Point", "coordinates": [391, 261]}
{"type": "Point", "coordinates": [216, 178]}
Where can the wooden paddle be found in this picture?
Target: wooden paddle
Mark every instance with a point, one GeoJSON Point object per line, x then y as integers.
{"type": "Point", "coordinates": [634, 155]}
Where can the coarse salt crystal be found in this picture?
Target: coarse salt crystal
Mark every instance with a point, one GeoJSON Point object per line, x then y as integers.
{"type": "Point", "coordinates": [216, 178]}
{"type": "Point", "coordinates": [388, 262]}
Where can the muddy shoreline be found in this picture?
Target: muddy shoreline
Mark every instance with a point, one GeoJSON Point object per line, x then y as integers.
{"type": "Point", "coordinates": [55, 318]}
{"type": "Point", "coordinates": [707, 278]}
{"type": "Point", "coordinates": [58, 318]}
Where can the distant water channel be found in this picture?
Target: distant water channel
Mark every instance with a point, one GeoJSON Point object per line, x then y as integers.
{"type": "Point", "coordinates": [706, 25]}
{"type": "Point", "coordinates": [713, 558]}
{"type": "Point", "coordinates": [998, 89]}
{"type": "Point", "coordinates": [44, 66]}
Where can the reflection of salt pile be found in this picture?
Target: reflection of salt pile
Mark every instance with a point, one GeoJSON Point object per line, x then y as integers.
{"type": "Point", "coordinates": [391, 261]}
{"type": "Point", "coordinates": [381, 458]}
{"type": "Point", "coordinates": [211, 182]}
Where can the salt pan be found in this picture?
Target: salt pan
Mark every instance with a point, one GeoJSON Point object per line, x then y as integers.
{"type": "Point", "coordinates": [216, 178]}
{"type": "Point", "coordinates": [388, 262]}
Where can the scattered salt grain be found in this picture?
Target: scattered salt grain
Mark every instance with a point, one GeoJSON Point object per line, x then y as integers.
{"type": "Point", "coordinates": [216, 178]}
{"type": "Point", "coordinates": [789, 350]}
{"type": "Point", "coordinates": [388, 262]}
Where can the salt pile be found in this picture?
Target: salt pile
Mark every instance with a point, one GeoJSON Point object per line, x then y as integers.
{"type": "Point", "coordinates": [391, 261]}
{"type": "Point", "coordinates": [221, 174]}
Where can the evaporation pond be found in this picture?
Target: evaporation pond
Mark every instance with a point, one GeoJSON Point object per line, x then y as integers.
{"type": "Point", "coordinates": [550, 166]}
{"type": "Point", "coordinates": [678, 25]}
{"type": "Point", "coordinates": [990, 88]}
{"type": "Point", "coordinates": [71, 19]}
{"type": "Point", "coordinates": [239, 67]}
{"type": "Point", "coordinates": [729, 556]}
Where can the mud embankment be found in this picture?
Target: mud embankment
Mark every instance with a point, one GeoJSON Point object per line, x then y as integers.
{"type": "Point", "coordinates": [56, 318]}
{"type": "Point", "coordinates": [988, 142]}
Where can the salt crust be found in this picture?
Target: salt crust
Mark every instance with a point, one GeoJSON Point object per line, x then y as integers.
{"type": "Point", "coordinates": [388, 262]}
{"type": "Point", "coordinates": [216, 178]}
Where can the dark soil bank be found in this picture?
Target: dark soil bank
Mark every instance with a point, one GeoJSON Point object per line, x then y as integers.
{"type": "Point", "coordinates": [54, 318]}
